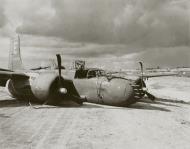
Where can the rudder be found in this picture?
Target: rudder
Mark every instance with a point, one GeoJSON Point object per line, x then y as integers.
{"type": "Point", "coordinates": [15, 61]}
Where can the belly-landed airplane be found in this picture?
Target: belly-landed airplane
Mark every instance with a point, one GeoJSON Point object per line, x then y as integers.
{"type": "Point", "coordinates": [58, 86]}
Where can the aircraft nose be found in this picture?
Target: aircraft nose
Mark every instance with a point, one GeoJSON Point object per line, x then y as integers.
{"type": "Point", "coordinates": [139, 88]}
{"type": "Point", "coordinates": [125, 91]}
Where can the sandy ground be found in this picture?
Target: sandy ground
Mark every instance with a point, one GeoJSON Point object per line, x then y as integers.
{"type": "Point", "coordinates": [161, 124]}
{"type": "Point", "coordinates": [174, 88]}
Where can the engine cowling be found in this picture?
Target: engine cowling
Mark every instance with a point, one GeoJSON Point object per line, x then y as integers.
{"type": "Point", "coordinates": [44, 86]}
{"type": "Point", "coordinates": [19, 88]}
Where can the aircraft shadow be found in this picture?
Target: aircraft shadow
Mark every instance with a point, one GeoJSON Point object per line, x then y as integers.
{"type": "Point", "coordinates": [20, 103]}
{"type": "Point", "coordinates": [147, 106]}
{"type": "Point", "coordinates": [173, 101]}
{"type": "Point", "coordinates": [12, 103]}
{"type": "Point", "coordinates": [158, 102]}
{"type": "Point", "coordinates": [89, 105]}
{"type": "Point", "coordinates": [143, 106]}
{"type": "Point", "coordinates": [17, 103]}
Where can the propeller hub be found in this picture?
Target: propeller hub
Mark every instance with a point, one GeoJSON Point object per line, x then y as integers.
{"type": "Point", "coordinates": [63, 90]}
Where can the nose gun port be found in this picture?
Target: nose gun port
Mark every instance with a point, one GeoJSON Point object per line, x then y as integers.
{"type": "Point", "coordinates": [138, 90]}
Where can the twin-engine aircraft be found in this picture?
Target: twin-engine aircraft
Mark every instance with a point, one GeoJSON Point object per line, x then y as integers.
{"type": "Point", "coordinates": [58, 87]}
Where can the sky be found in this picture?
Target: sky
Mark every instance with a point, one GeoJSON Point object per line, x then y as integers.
{"type": "Point", "coordinates": [112, 34]}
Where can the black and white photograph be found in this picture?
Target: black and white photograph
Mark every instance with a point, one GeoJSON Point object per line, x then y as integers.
{"type": "Point", "coordinates": [94, 74]}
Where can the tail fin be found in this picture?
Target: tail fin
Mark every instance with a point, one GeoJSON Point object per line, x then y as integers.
{"type": "Point", "coordinates": [15, 61]}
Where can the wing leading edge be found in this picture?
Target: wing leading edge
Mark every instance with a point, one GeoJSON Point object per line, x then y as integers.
{"type": "Point", "coordinates": [151, 75]}
{"type": "Point", "coordinates": [5, 75]}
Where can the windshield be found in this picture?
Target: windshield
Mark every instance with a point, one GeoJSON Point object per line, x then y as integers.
{"type": "Point", "coordinates": [91, 73]}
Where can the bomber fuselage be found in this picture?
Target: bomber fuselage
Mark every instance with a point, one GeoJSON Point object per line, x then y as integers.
{"type": "Point", "coordinates": [43, 86]}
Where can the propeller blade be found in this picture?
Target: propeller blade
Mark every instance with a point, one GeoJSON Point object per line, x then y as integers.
{"type": "Point", "coordinates": [150, 96]}
{"type": "Point", "coordinates": [59, 64]}
{"type": "Point", "coordinates": [142, 82]}
{"type": "Point", "coordinates": [141, 65]}
{"type": "Point", "coordinates": [64, 89]}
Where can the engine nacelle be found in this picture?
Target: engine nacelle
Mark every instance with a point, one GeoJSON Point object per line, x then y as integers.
{"type": "Point", "coordinates": [44, 85]}
{"type": "Point", "coordinates": [19, 88]}
{"type": "Point", "coordinates": [10, 89]}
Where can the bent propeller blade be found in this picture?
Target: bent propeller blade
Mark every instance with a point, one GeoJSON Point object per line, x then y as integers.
{"type": "Point", "coordinates": [141, 65]}
{"type": "Point", "coordinates": [150, 96]}
{"type": "Point", "coordinates": [59, 64]}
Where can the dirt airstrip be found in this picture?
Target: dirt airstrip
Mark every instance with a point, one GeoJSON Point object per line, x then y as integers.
{"type": "Point", "coordinates": [164, 123]}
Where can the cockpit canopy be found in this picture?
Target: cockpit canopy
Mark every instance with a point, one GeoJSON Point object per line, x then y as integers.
{"type": "Point", "coordinates": [89, 73]}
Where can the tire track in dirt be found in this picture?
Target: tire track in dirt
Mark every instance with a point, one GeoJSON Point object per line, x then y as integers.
{"type": "Point", "coordinates": [59, 128]}
{"type": "Point", "coordinates": [17, 129]}
{"type": "Point", "coordinates": [43, 130]}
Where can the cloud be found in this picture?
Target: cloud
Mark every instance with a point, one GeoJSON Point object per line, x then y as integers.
{"type": "Point", "coordinates": [101, 30]}
{"type": "Point", "coordinates": [165, 57]}
{"type": "Point", "coordinates": [148, 23]}
{"type": "Point", "coordinates": [154, 23]}
{"type": "Point", "coordinates": [2, 15]}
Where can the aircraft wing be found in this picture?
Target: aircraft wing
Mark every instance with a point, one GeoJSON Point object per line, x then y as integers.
{"type": "Point", "coordinates": [151, 75]}
{"type": "Point", "coordinates": [40, 68]}
{"type": "Point", "coordinates": [145, 75]}
{"type": "Point", "coordinates": [5, 75]}
{"type": "Point", "coordinates": [2, 69]}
